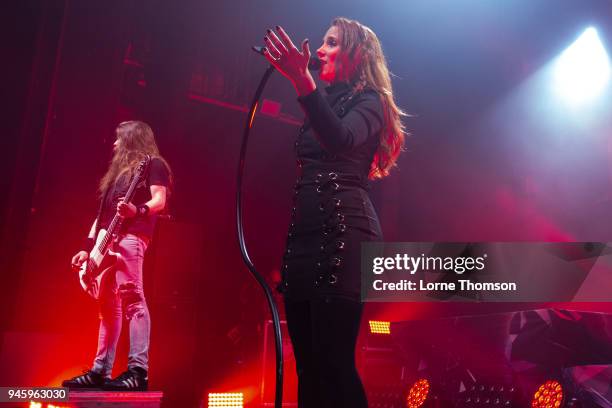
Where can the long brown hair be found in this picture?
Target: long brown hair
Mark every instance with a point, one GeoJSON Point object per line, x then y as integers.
{"type": "Point", "coordinates": [136, 140]}
{"type": "Point", "coordinates": [361, 62]}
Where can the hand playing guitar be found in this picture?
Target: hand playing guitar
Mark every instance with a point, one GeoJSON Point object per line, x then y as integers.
{"type": "Point", "coordinates": [78, 259]}
{"type": "Point", "coordinates": [126, 210]}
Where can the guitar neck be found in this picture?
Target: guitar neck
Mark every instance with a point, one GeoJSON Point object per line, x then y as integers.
{"type": "Point", "coordinates": [117, 221]}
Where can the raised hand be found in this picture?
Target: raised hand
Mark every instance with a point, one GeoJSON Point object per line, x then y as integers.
{"type": "Point", "coordinates": [288, 60]}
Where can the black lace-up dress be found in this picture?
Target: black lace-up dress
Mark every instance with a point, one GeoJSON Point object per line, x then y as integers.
{"type": "Point", "coordinates": [332, 212]}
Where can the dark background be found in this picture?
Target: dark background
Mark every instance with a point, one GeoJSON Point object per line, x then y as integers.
{"type": "Point", "coordinates": [477, 167]}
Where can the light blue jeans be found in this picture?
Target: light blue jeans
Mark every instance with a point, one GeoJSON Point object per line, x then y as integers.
{"type": "Point", "coordinates": [122, 295]}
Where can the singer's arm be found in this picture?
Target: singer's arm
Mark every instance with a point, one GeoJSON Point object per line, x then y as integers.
{"type": "Point", "coordinates": [341, 134]}
{"type": "Point", "coordinates": [305, 84]}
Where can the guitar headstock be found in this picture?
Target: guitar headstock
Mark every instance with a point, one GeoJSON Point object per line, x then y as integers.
{"type": "Point", "coordinates": [142, 166]}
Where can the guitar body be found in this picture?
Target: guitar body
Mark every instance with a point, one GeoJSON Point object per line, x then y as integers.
{"type": "Point", "coordinates": [97, 265]}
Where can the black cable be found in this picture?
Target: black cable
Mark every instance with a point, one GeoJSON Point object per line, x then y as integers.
{"type": "Point", "coordinates": [278, 396]}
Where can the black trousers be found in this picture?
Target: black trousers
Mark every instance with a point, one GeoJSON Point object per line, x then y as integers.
{"type": "Point", "coordinates": [324, 334]}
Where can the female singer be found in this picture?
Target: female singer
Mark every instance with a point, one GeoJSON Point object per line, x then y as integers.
{"type": "Point", "coordinates": [352, 133]}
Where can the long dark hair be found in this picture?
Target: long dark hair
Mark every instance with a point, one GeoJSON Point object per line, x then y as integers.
{"type": "Point", "coordinates": [136, 140]}
{"type": "Point", "coordinates": [361, 61]}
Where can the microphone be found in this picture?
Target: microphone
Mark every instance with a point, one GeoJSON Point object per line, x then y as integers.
{"type": "Point", "coordinates": [314, 64]}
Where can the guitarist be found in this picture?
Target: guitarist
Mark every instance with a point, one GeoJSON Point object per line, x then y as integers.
{"type": "Point", "coordinates": [121, 288]}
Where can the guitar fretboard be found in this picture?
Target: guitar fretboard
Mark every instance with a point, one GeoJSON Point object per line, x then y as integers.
{"type": "Point", "coordinates": [117, 221]}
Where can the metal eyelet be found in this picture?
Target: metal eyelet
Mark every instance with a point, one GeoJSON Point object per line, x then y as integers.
{"type": "Point", "coordinates": [341, 227]}
{"type": "Point", "coordinates": [322, 207]}
{"type": "Point", "coordinates": [337, 202]}
{"type": "Point", "coordinates": [336, 186]}
{"type": "Point", "coordinates": [333, 279]}
{"type": "Point", "coordinates": [336, 262]}
{"type": "Point", "coordinates": [318, 265]}
{"type": "Point", "coordinates": [333, 176]}
{"type": "Point", "coordinates": [319, 190]}
{"type": "Point", "coordinates": [340, 245]}
{"type": "Point", "coordinates": [340, 217]}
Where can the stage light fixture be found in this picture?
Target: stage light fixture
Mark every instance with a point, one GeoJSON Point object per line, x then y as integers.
{"type": "Point", "coordinates": [583, 69]}
{"type": "Point", "coordinates": [225, 400]}
{"type": "Point", "coordinates": [548, 395]}
{"type": "Point", "coordinates": [34, 404]}
{"type": "Point", "coordinates": [380, 327]}
{"type": "Point", "coordinates": [499, 395]}
{"type": "Point", "coordinates": [418, 393]}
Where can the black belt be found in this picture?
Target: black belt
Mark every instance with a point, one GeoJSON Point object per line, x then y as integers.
{"type": "Point", "coordinates": [333, 178]}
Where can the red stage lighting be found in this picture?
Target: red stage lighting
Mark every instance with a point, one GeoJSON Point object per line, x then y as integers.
{"type": "Point", "coordinates": [418, 394]}
{"type": "Point", "coordinates": [225, 400]}
{"type": "Point", "coordinates": [549, 395]}
{"type": "Point", "coordinates": [380, 327]}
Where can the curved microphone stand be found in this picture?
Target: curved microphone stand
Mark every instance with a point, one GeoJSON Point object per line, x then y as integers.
{"type": "Point", "coordinates": [278, 395]}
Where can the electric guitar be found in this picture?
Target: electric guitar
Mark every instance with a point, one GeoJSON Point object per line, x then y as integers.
{"type": "Point", "coordinates": [101, 258]}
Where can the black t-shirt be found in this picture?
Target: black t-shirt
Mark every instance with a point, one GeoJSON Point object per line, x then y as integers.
{"type": "Point", "coordinates": [157, 174]}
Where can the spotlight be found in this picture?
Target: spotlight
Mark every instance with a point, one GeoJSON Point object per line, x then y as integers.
{"type": "Point", "coordinates": [418, 394]}
{"type": "Point", "coordinates": [583, 69]}
{"type": "Point", "coordinates": [379, 327]}
{"type": "Point", "coordinates": [549, 395]}
{"type": "Point", "coordinates": [225, 400]}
